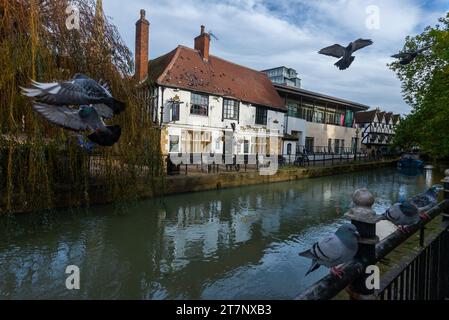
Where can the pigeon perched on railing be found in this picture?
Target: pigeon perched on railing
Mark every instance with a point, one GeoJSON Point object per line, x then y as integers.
{"type": "Point", "coordinates": [339, 248]}
{"type": "Point", "coordinates": [402, 215]}
{"type": "Point", "coordinates": [81, 90]}
{"type": "Point", "coordinates": [86, 118]}
{"type": "Point", "coordinates": [407, 57]}
{"type": "Point", "coordinates": [345, 54]}
{"type": "Point", "coordinates": [427, 200]}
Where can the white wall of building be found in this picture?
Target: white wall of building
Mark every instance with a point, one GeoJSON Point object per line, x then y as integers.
{"type": "Point", "coordinates": [245, 127]}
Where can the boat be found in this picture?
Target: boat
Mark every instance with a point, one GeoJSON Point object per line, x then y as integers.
{"type": "Point", "coordinates": [410, 160]}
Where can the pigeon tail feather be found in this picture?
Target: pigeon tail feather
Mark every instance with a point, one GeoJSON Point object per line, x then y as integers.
{"type": "Point", "coordinates": [106, 139]}
{"type": "Point", "coordinates": [117, 105]}
{"type": "Point", "coordinates": [343, 64]}
{"type": "Point", "coordinates": [314, 266]}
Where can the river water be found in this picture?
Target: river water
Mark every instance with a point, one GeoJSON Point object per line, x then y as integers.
{"type": "Point", "coordinates": [238, 243]}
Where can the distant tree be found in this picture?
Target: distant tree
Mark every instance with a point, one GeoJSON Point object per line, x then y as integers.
{"type": "Point", "coordinates": [425, 86]}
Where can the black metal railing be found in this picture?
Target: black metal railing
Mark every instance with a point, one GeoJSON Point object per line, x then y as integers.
{"type": "Point", "coordinates": [200, 163]}
{"type": "Point", "coordinates": [424, 276]}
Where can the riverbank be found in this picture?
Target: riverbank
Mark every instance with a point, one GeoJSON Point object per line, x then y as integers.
{"type": "Point", "coordinates": [173, 185]}
{"type": "Point", "coordinates": [224, 180]}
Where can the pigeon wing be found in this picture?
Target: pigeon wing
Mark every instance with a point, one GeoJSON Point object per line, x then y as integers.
{"type": "Point", "coordinates": [62, 116]}
{"type": "Point", "coordinates": [361, 43]}
{"type": "Point", "coordinates": [104, 111]}
{"type": "Point", "coordinates": [57, 93]}
{"type": "Point", "coordinates": [328, 251]}
{"type": "Point", "coordinates": [336, 51]}
{"type": "Point", "coordinates": [400, 55]}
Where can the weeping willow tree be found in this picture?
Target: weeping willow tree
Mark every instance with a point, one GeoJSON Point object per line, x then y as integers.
{"type": "Point", "coordinates": [42, 166]}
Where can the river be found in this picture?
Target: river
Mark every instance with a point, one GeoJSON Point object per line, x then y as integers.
{"type": "Point", "coordinates": [238, 243]}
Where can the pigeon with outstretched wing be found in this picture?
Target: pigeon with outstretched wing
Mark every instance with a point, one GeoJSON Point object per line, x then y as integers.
{"type": "Point", "coordinates": [86, 118]}
{"type": "Point", "coordinates": [406, 58]}
{"type": "Point", "coordinates": [345, 54]}
{"type": "Point", "coordinates": [81, 90]}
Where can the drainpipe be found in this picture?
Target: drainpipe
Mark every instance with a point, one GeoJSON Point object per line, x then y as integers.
{"type": "Point", "coordinates": [162, 106]}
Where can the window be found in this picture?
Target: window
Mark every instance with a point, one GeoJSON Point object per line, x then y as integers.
{"type": "Point", "coordinates": [174, 143]}
{"type": "Point", "coordinates": [337, 146]}
{"type": "Point", "coordinates": [258, 145]}
{"type": "Point", "coordinates": [246, 147]}
{"type": "Point", "coordinates": [175, 111]}
{"type": "Point", "coordinates": [230, 109]}
{"type": "Point", "coordinates": [261, 116]}
{"type": "Point", "coordinates": [289, 149]}
{"type": "Point", "coordinates": [196, 141]}
{"type": "Point", "coordinates": [310, 141]}
{"type": "Point", "coordinates": [318, 116]}
{"type": "Point", "coordinates": [329, 145]}
{"type": "Point", "coordinates": [199, 104]}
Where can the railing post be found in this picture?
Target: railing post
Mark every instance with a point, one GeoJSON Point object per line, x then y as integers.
{"type": "Point", "coordinates": [365, 219]}
{"type": "Point", "coordinates": [446, 193]}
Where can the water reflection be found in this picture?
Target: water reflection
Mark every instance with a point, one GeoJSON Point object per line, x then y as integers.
{"type": "Point", "coordinates": [237, 243]}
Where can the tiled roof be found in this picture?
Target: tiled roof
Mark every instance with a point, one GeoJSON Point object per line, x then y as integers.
{"type": "Point", "coordinates": [388, 116]}
{"type": "Point", "coordinates": [365, 117]}
{"type": "Point", "coordinates": [185, 68]}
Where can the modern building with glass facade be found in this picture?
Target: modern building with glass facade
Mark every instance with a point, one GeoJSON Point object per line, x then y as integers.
{"type": "Point", "coordinates": [284, 76]}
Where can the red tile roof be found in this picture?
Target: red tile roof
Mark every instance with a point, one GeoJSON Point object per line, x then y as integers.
{"type": "Point", "coordinates": [185, 68]}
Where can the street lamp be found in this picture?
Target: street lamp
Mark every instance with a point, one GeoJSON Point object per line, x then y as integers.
{"type": "Point", "coordinates": [357, 131]}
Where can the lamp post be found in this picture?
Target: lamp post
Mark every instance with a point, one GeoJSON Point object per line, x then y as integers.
{"type": "Point", "coordinates": [356, 140]}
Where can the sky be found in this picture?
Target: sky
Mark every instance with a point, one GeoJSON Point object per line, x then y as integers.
{"type": "Point", "coordinates": [262, 34]}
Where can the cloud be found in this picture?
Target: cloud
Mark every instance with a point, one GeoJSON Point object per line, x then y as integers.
{"type": "Point", "coordinates": [266, 33]}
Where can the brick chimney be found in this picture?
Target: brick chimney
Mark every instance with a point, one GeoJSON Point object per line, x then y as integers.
{"type": "Point", "coordinates": [202, 44]}
{"type": "Point", "coordinates": [142, 47]}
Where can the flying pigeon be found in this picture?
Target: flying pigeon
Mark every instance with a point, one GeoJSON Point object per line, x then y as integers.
{"type": "Point", "coordinates": [334, 250]}
{"type": "Point", "coordinates": [86, 118]}
{"type": "Point", "coordinates": [427, 200]}
{"type": "Point", "coordinates": [81, 90]}
{"type": "Point", "coordinates": [402, 215]}
{"type": "Point", "coordinates": [408, 57]}
{"type": "Point", "coordinates": [345, 54]}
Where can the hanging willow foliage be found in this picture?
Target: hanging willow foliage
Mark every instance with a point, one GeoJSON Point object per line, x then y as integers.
{"type": "Point", "coordinates": [42, 166]}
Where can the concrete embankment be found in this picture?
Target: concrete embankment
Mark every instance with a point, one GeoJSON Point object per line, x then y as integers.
{"type": "Point", "coordinates": [97, 193]}
{"type": "Point", "coordinates": [194, 183]}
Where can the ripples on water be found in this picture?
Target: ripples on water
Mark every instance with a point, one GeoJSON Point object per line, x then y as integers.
{"type": "Point", "coordinates": [230, 244]}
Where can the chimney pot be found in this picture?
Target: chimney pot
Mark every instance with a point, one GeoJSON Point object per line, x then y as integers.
{"type": "Point", "coordinates": [202, 29]}
{"type": "Point", "coordinates": [142, 14]}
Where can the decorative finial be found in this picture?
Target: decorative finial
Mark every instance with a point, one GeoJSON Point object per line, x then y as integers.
{"type": "Point", "coordinates": [362, 211]}
{"type": "Point", "coordinates": [363, 198]}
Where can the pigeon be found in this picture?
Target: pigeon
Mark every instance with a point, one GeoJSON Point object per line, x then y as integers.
{"type": "Point", "coordinates": [345, 54]}
{"type": "Point", "coordinates": [86, 118]}
{"type": "Point", "coordinates": [81, 90]}
{"type": "Point", "coordinates": [408, 57]}
{"type": "Point", "coordinates": [334, 250]}
{"type": "Point", "coordinates": [427, 200]}
{"type": "Point", "coordinates": [402, 215]}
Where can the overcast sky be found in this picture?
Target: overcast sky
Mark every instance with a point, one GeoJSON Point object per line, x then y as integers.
{"type": "Point", "coordinates": [261, 34]}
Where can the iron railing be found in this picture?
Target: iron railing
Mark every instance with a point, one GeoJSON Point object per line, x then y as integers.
{"type": "Point", "coordinates": [424, 276]}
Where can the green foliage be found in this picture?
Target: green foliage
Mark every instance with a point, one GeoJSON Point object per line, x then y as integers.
{"type": "Point", "coordinates": [42, 166]}
{"type": "Point", "coordinates": [425, 85]}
